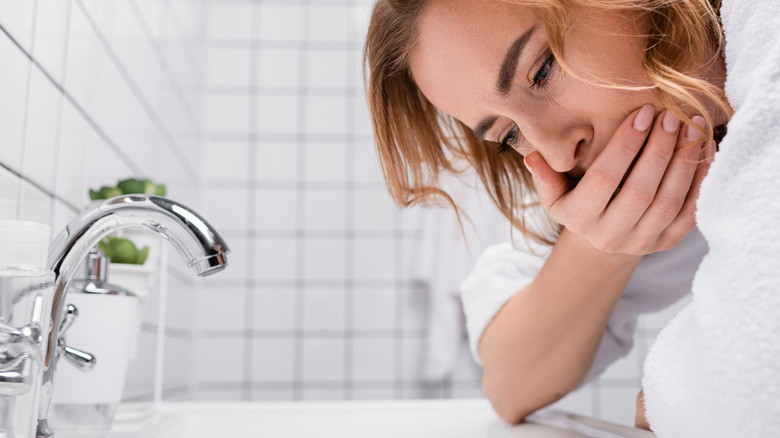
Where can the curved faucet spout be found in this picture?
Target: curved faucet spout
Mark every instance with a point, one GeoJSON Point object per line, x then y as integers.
{"type": "Point", "coordinates": [197, 242]}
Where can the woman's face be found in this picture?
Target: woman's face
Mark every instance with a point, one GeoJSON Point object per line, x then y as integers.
{"type": "Point", "coordinates": [489, 65]}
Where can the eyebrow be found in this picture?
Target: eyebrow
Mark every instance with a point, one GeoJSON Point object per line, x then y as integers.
{"type": "Point", "coordinates": [509, 66]}
{"type": "Point", "coordinates": [505, 75]}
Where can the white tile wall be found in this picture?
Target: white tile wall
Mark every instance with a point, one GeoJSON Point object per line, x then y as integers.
{"type": "Point", "coordinates": [87, 97]}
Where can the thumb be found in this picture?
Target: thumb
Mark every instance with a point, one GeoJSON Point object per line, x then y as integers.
{"type": "Point", "coordinates": [550, 185]}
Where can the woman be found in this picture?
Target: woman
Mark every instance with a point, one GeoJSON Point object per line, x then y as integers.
{"type": "Point", "coordinates": [592, 124]}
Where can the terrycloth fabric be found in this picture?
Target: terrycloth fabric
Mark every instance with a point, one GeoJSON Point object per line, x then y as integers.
{"type": "Point", "coordinates": [714, 371]}
{"type": "Point", "coordinates": [660, 280]}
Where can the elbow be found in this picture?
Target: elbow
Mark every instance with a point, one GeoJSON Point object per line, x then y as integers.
{"type": "Point", "coordinates": [506, 405]}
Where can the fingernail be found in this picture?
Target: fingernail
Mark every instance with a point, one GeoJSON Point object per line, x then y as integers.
{"type": "Point", "coordinates": [671, 122]}
{"type": "Point", "coordinates": [644, 118]}
{"type": "Point", "coordinates": [693, 133]}
{"type": "Point", "coordinates": [528, 166]}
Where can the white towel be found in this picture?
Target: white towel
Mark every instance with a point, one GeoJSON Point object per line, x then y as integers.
{"type": "Point", "coordinates": [714, 371]}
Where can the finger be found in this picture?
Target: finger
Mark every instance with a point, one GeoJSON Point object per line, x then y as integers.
{"type": "Point", "coordinates": [641, 185]}
{"type": "Point", "coordinates": [603, 177]}
{"type": "Point", "coordinates": [686, 219]}
{"type": "Point", "coordinates": [676, 183]}
{"type": "Point", "coordinates": [640, 420]}
{"type": "Point", "coordinates": [550, 185]}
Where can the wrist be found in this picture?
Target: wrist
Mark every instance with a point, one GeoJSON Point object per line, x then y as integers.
{"type": "Point", "coordinates": [590, 252]}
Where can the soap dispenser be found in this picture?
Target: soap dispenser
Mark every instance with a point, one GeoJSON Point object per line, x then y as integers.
{"type": "Point", "coordinates": [106, 323]}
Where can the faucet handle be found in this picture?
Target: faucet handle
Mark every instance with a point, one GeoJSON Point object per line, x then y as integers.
{"type": "Point", "coordinates": [71, 315]}
{"type": "Point", "coordinates": [81, 359]}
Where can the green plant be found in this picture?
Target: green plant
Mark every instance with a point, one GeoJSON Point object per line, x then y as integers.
{"type": "Point", "coordinates": [128, 186]}
{"type": "Point", "coordinates": [121, 250]}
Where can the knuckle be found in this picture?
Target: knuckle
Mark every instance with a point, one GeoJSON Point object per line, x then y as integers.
{"type": "Point", "coordinates": [629, 147]}
{"type": "Point", "coordinates": [636, 197]}
{"type": "Point", "coordinates": [667, 206]}
{"type": "Point", "coordinates": [662, 152]}
{"type": "Point", "coordinates": [603, 180]}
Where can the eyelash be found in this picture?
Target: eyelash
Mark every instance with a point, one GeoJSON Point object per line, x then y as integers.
{"type": "Point", "coordinates": [539, 81]}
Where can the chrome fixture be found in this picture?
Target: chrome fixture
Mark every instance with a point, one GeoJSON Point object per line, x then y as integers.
{"type": "Point", "coordinates": [197, 242]}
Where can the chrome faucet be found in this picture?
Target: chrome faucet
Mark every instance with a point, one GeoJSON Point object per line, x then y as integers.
{"type": "Point", "coordinates": [196, 241]}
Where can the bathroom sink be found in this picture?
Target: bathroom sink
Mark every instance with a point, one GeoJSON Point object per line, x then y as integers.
{"type": "Point", "coordinates": [359, 419]}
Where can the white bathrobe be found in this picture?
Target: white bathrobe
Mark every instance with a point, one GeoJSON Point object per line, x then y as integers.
{"type": "Point", "coordinates": [714, 371]}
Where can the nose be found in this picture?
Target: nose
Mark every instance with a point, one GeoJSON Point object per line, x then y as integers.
{"type": "Point", "coordinates": [560, 139]}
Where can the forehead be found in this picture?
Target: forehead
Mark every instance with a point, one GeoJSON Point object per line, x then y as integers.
{"type": "Point", "coordinates": [460, 47]}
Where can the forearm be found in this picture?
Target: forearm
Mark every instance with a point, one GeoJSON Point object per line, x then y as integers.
{"type": "Point", "coordinates": [543, 341]}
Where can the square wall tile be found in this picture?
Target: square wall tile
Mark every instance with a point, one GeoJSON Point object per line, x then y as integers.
{"type": "Point", "coordinates": [373, 359]}
{"type": "Point", "coordinates": [374, 309]}
{"type": "Point", "coordinates": [279, 22]}
{"type": "Point", "coordinates": [323, 360]}
{"type": "Point", "coordinates": [278, 67]}
{"type": "Point", "coordinates": [224, 161]}
{"type": "Point", "coordinates": [35, 205]}
{"type": "Point", "coordinates": [220, 309]}
{"type": "Point", "coordinates": [273, 360]}
{"type": "Point", "coordinates": [274, 309]}
{"type": "Point", "coordinates": [14, 77]}
{"type": "Point", "coordinates": [324, 259]}
{"type": "Point", "coordinates": [50, 35]}
{"type": "Point", "coordinates": [18, 18]}
{"type": "Point", "coordinates": [327, 22]}
{"type": "Point", "coordinates": [219, 360]}
{"type": "Point", "coordinates": [9, 195]}
{"type": "Point", "coordinates": [375, 259]}
{"type": "Point", "coordinates": [278, 114]}
{"type": "Point", "coordinates": [326, 115]}
{"type": "Point", "coordinates": [327, 69]}
{"type": "Point", "coordinates": [228, 66]}
{"type": "Point", "coordinates": [277, 161]}
{"type": "Point", "coordinates": [324, 309]}
{"type": "Point", "coordinates": [326, 162]}
{"type": "Point", "coordinates": [366, 164]}
{"type": "Point", "coordinates": [276, 258]}
{"type": "Point", "coordinates": [325, 210]}
{"type": "Point", "coordinates": [43, 123]}
{"type": "Point", "coordinates": [179, 364]}
{"type": "Point", "coordinates": [276, 209]}
{"type": "Point", "coordinates": [227, 113]}
{"type": "Point", "coordinates": [230, 20]}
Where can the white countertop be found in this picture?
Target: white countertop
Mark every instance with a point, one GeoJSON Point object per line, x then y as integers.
{"type": "Point", "coordinates": [355, 419]}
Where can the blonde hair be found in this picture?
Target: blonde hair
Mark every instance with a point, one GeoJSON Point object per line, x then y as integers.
{"type": "Point", "coordinates": [416, 142]}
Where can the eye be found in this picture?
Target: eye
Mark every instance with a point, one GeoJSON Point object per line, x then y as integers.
{"type": "Point", "coordinates": [540, 78]}
{"type": "Point", "coordinates": [507, 141]}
